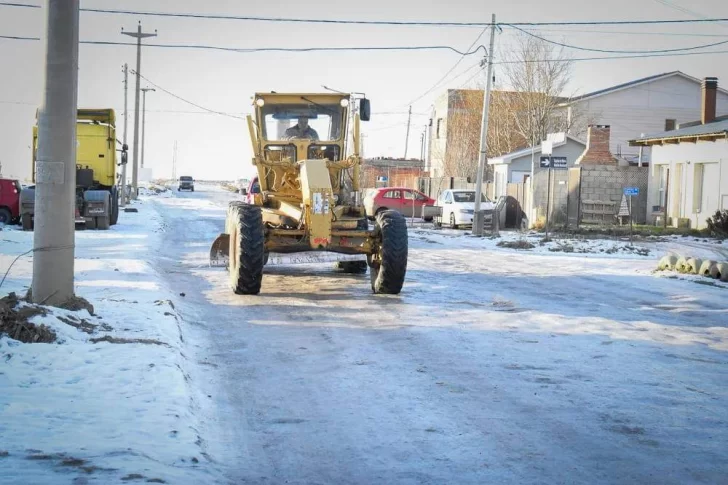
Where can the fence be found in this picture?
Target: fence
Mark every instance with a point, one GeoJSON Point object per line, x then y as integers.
{"type": "Point", "coordinates": [588, 195]}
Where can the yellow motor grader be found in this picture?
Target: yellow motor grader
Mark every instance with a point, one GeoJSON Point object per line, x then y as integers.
{"type": "Point", "coordinates": [309, 197]}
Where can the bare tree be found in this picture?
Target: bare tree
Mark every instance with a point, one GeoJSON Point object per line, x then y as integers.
{"type": "Point", "coordinates": [538, 72]}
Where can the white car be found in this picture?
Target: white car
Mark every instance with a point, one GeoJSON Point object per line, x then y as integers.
{"type": "Point", "coordinates": [458, 206]}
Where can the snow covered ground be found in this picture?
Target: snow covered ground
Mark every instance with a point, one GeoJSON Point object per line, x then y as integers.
{"type": "Point", "coordinates": [101, 412]}
{"type": "Point", "coordinates": [570, 362]}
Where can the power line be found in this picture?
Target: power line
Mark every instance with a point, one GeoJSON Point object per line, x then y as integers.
{"type": "Point", "coordinates": [365, 22]}
{"type": "Point", "coordinates": [439, 81]}
{"type": "Point", "coordinates": [605, 58]}
{"type": "Point", "coordinates": [611, 51]}
{"type": "Point", "coordinates": [187, 101]}
{"type": "Point", "coordinates": [269, 49]}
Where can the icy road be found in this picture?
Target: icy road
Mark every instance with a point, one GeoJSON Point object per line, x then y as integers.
{"type": "Point", "coordinates": [492, 366]}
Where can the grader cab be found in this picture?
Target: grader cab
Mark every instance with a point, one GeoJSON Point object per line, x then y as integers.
{"type": "Point", "coordinates": [309, 197]}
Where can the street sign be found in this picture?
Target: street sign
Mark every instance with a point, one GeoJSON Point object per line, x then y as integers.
{"type": "Point", "coordinates": [559, 162]}
{"type": "Point", "coordinates": [554, 162]}
{"type": "Point", "coordinates": [630, 191]}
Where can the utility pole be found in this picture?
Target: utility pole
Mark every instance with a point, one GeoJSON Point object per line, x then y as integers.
{"type": "Point", "coordinates": [139, 35]}
{"type": "Point", "coordinates": [144, 119]}
{"type": "Point", "coordinates": [406, 141]}
{"type": "Point", "coordinates": [126, 126]}
{"type": "Point", "coordinates": [478, 218]}
{"type": "Point", "coordinates": [55, 168]}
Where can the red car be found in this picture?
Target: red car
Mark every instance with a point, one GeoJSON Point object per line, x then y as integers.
{"type": "Point", "coordinates": [408, 202]}
{"type": "Point", "coordinates": [9, 201]}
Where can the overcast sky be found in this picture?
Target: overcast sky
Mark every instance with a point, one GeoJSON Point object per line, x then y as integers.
{"type": "Point", "coordinates": [212, 146]}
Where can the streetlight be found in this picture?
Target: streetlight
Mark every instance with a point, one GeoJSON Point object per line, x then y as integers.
{"type": "Point", "coordinates": [144, 117]}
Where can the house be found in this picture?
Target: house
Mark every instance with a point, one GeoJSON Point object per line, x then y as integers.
{"type": "Point", "coordinates": [648, 105]}
{"type": "Point", "coordinates": [516, 167]}
{"type": "Point", "coordinates": [454, 131]}
{"type": "Point", "coordinates": [689, 173]}
{"type": "Point", "coordinates": [391, 172]}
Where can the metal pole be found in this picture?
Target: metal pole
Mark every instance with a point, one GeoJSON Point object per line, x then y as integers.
{"type": "Point", "coordinates": [478, 215]}
{"type": "Point", "coordinates": [144, 119]}
{"type": "Point", "coordinates": [139, 35]}
{"type": "Point", "coordinates": [126, 125]}
{"type": "Point", "coordinates": [406, 141]}
{"type": "Point", "coordinates": [548, 200]}
{"type": "Point", "coordinates": [630, 219]}
{"type": "Point", "coordinates": [55, 167]}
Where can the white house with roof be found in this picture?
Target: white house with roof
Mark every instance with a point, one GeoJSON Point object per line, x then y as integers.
{"type": "Point", "coordinates": [516, 167]}
{"type": "Point", "coordinates": [649, 105]}
{"type": "Point", "coordinates": [689, 172]}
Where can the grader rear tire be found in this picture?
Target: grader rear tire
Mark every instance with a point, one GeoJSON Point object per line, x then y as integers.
{"type": "Point", "coordinates": [387, 277]}
{"type": "Point", "coordinates": [247, 249]}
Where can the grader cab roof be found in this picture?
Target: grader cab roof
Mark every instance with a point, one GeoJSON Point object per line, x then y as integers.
{"type": "Point", "coordinates": [300, 98]}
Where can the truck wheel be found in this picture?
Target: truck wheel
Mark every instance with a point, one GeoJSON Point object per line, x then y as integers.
{"type": "Point", "coordinates": [114, 206]}
{"type": "Point", "coordinates": [247, 249]}
{"type": "Point", "coordinates": [103, 223]}
{"type": "Point", "coordinates": [5, 216]}
{"type": "Point", "coordinates": [352, 267]}
{"type": "Point", "coordinates": [387, 275]}
{"type": "Point", "coordinates": [27, 221]}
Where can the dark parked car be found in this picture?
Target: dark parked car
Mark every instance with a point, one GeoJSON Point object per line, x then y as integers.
{"type": "Point", "coordinates": [186, 183]}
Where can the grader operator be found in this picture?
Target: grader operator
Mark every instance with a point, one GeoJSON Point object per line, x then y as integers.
{"type": "Point", "coordinates": [309, 197]}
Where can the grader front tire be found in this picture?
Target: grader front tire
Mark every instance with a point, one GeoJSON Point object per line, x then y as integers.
{"type": "Point", "coordinates": [247, 249]}
{"type": "Point", "coordinates": [387, 275]}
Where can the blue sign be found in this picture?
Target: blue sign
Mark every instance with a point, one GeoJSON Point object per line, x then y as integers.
{"type": "Point", "coordinates": [630, 191]}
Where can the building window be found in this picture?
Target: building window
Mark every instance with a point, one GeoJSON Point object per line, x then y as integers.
{"type": "Point", "coordinates": [670, 124]}
{"type": "Point", "coordinates": [439, 123]}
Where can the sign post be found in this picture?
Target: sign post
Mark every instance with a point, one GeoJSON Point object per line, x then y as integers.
{"type": "Point", "coordinates": [629, 192]}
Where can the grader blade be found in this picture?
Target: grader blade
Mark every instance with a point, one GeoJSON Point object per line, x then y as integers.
{"type": "Point", "coordinates": [220, 251]}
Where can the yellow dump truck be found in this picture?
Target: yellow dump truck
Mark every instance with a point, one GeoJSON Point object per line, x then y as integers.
{"type": "Point", "coordinates": [309, 197]}
{"type": "Point", "coordinates": [97, 196]}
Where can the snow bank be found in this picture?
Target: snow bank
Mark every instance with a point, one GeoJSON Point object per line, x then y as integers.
{"type": "Point", "coordinates": [110, 400]}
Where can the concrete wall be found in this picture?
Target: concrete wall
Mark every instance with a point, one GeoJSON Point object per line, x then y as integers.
{"type": "Point", "coordinates": [644, 109]}
{"type": "Point", "coordinates": [684, 188]}
{"type": "Point", "coordinates": [607, 183]}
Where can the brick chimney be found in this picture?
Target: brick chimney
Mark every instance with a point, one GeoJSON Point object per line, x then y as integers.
{"type": "Point", "coordinates": [710, 92]}
{"type": "Point", "coordinates": [597, 147]}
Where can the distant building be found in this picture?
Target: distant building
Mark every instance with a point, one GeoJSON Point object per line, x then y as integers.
{"type": "Point", "coordinates": [391, 172]}
{"type": "Point", "coordinates": [647, 105]}
{"type": "Point", "coordinates": [516, 167]}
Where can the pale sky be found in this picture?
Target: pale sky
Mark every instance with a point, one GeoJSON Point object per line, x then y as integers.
{"type": "Point", "coordinates": [216, 147]}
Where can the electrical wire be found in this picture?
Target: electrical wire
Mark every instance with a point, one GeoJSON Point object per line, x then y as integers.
{"type": "Point", "coordinates": [366, 22]}
{"type": "Point", "coordinates": [270, 49]}
{"type": "Point", "coordinates": [439, 81]}
{"type": "Point", "coordinates": [186, 100]}
{"type": "Point", "coordinates": [612, 51]}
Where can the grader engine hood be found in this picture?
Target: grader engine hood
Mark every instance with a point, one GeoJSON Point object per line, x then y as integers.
{"type": "Point", "coordinates": [318, 200]}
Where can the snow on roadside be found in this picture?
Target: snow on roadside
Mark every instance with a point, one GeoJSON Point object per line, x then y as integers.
{"type": "Point", "coordinates": [111, 409]}
{"type": "Point", "coordinates": [534, 243]}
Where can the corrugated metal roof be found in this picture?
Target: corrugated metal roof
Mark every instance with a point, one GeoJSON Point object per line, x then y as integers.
{"type": "Point", "coordinates": [715, 128]}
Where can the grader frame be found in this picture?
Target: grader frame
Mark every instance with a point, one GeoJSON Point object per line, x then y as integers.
{"type": "Point", "coordinates": [310, 195]}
